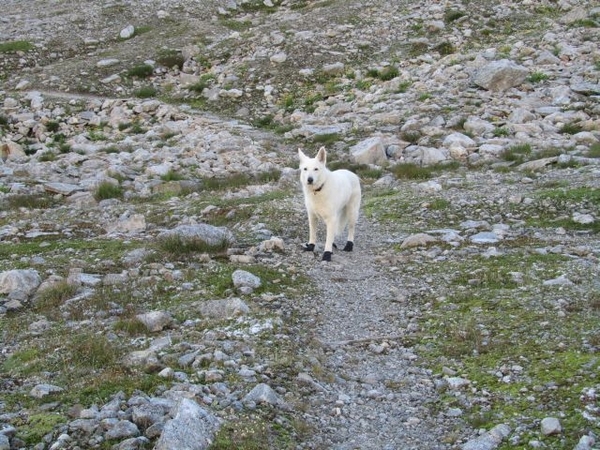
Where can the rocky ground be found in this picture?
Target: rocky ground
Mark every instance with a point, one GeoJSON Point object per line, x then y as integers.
{"type": "Point", "coordinates": [153, 289]}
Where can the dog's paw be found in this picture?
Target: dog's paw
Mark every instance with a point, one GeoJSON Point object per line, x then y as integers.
{"type": "Point", "coordinates": [349, 246]}
{"type": "Point", "coordinates": [327, 256]}
{"type": "Point", "coordinates": [308, 247]}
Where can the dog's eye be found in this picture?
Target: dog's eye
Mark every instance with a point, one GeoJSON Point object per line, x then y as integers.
{"type": "Point", "coordinates": [316, 169]}
{"type": "Point", "coordinates": [306, 168]}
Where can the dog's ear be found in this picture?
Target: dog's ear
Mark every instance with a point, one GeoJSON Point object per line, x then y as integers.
{"type": "Point", "coordinates": [322, 155]}
{"type": "Point", "coordinates": [301, 155]}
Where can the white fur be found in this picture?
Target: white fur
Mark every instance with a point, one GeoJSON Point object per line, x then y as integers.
{"type": "Point", "coordinates": [334, 197]}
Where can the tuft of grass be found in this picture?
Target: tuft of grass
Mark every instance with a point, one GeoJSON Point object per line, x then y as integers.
{"type": "Point", "coordinates": [39, 425]}
{"type": "Point", "coordinates": [178, 245]}
{"type": "Point", "coordinates": [385, 74]}
{"type": "Point", "coordinates": [53, 126]}
{"type": "Point", "coordinates": [236, 25]}
{"type": "Point", "coordinates": [30, 201]}
{"type": "Point", "coordinates": [445, 48]}
{"type": "Point", "coordinates": [106, 190]}
{"type": "Point", "coordinates": [146, 92]}
{"type": "Point", "coordinates": [15, 46]}
{"type": "Point", "coordinates": [326, 139]}
{"type": "Point", "coordinates": [204, 82]}
{"type": "Point", "coordinates": [452, 15]}
{"type": "Point", "coordinates": [501, 132]}
{"type": "Point", "coordinates": [47, 157]}
{"type": "Point", "coordinates": [517, 153]}
{"type": "Point", "coordinates": [537, 77]}
{"type": "Point", "coordinates": [410, 171]}
{"type": "Point", "coordinates": [593, 151]}
{"type": "Point", "coordinates": [141, 71]}
{"type": "Point", "coordinates": [49, 300]}
{"type": "Point", "coordinates": [411, 136]}
{"type": "Point", "coordinates": [170, 58]}
{"type": "Point", "coordinates": [171, 175]}
{"type": "Point", "coordinates": [570, 128]}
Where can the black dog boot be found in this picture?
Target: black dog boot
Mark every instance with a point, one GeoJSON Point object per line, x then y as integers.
{"type": "Point", "coordinates": [349, 246]}
{"type": "Point", "coordinates": [327, 256]}
{"type": "Point", "coordinates": [308, 247]}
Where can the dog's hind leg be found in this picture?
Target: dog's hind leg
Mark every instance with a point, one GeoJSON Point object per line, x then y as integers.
{"type": "Point", "coordinates": [352, 216]}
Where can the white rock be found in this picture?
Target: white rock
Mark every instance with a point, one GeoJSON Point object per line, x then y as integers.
{"type": "Point", "coordinates": [550, 425]}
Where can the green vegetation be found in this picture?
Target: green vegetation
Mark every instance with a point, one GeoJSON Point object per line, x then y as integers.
{"type": "Point", "coordinates": [517, 153]}
{"type": "Point", "coordinates": [170, 58]}
{"type": "Point", "coordinates": [15, 46]}
{"type": "Point", "coordinates": [571, 128]}
{"type": "Point", "coordinates": [257, 432]}
{"type": "Point", "coordinates": [146, 92]}
{"type": "Point", "coordinates": [452, 15]}
{"type": "Point", "coordinates": [501, 132]}
{"type": "Point", "coordinates": [141, 71]}
{"type": "Point", "coordinates": [384, 74]}
{"type": "Point", "coordinates": [30, 201]}
{"type": "Point", "coordinates": [537, 77]}
{"type": "Point", "coordinates": [106, 190]}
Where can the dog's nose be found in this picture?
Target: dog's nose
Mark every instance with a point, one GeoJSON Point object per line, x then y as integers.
{"type": "Point", "coordinates": [309, 180]}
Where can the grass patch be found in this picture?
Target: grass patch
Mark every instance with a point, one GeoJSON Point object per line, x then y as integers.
{"type": "Point", "coordinates": [170, 58]}
{"type": "Point", "coordinates": [517, 153]}
{"type": "Point", "coordinates": [410, 171]}
{"type": "Point", "coordinates": [593, 151]}
{"type": "Point", "coordinates": [205, 81]}
{"type": "Point", "coordinates": [15, 46]}
{"type": "Point", "coordinates": [49, 300]}
{"type": "Point", "coordinates": [178, 245]}
{"type": "Point", "coordinates": [537, 77]}
{"type": "Point", "coordinates": [146, 92]}
{"type": "Point", "coordinates": [452, 15]}
{"type": "Point", "coordinates": [30, 201]}
{"type": "Point", "coordinates": [327, 139]}
{"type": "Point", "coordinates": [384, 74]}
{"type": "Point", "coordinates": [171, 175]}
{"type": "Point", "coordinates": [571, 128]}
{"type": "Point", "coordinates": [107, 190]}
{"type": "Point", "coordinates": [140, 71]}
{"type": "Point", "coordinates": [257, 432]}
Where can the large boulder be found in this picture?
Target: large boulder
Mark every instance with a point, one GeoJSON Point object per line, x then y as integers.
{"type": "Point", "coordinates": [500, 75]}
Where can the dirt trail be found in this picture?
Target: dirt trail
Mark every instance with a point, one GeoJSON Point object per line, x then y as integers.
{"type": "Point", "coordinates": [369, 392]}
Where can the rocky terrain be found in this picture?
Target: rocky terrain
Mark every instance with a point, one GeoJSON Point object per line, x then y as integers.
{"type": "Point", "coordinates": [153, 288]}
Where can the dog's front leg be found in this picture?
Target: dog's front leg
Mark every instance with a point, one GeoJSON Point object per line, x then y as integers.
{"type": "Point", "coordinates": [331, 229]}
{"type": "Point", "coordinates": [312, 233]}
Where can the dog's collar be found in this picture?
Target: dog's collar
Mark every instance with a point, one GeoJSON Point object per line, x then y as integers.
{"type": "Point", "coordinates": [318, 189]}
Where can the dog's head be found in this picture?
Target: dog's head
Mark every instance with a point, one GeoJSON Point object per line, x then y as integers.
{"type": "Point", "coordinates": [313, 170]}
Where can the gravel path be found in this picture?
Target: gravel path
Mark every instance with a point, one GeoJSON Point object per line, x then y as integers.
{"type": "Point", "coordinates": [369, 390]}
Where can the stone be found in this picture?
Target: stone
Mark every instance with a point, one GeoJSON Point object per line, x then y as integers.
{"type": "Point", "coordinates": [489, 440]}
{"type": "Point", "coordinates": [245, 281]}
{"type": "Point", "coordinates": [155, 320]}
{"type": "Point", "coordinates": [191, 428]}
{"type": "Point", "coordinates": [369, 151]}
{"type": "Point", "coordinates": [550, 426]}
{"type": "Point", "coordinates": [500, 75]}
{"type": "Point", "coordinates": [223, 309]}
{"type": "Point", "coordinates": [263, 394]}
{"type": "Point", "coordinates": [44, 390]}
{"type": "Point", "coordinates": [127, 32]}
{"type": "Point", "coordinates": [19, 280]}
{"type": "Point", "coordinates": [418, 240]}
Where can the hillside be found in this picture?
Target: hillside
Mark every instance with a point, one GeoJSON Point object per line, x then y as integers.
{"type": "Point", "coordinates": [153, 288]}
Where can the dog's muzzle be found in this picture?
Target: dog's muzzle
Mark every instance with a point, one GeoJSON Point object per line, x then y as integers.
{"type": "Point", "coordinates": [309, 180]}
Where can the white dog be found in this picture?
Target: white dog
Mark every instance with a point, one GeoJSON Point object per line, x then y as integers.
{"type": "Point", "coordinates": [332, 196]}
